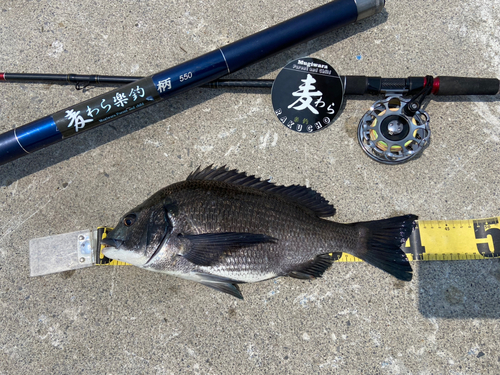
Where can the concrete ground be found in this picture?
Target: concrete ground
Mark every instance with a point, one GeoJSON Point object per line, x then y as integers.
{"type": "Point", "coordinates": [356, 319]}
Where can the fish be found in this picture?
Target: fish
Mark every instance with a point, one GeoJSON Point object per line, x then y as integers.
{"type": "Point", "coordinates": [222, 228]}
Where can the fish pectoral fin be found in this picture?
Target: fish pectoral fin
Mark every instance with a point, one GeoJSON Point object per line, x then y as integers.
{"type": "Point", "coordinates": [316, 267]}
{"type": "Point", "coordinates": [206, 249]}
{"type": "Point", "coordinates": [232, 289]}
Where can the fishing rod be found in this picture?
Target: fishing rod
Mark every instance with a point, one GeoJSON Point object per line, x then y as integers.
{"type": "Point", "coordinates": [393, 131]}
{"type": "Point", "coordinates": [193, 73]}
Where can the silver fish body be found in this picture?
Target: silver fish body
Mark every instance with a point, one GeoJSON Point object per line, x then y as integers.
{"type": "Point", "coordinates": [223, 228]}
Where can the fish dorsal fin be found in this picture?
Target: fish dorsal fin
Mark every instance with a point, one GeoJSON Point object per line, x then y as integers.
{"type": "Point", "coordinates": [301, 195]}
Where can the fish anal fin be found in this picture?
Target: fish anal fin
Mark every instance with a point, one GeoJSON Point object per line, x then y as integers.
{"type": "Point", "coordinates": [207, 249]}
{"type": "Point", "coordinates": [316, 267]}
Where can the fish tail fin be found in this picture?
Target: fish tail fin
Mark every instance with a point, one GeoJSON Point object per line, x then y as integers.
{"type": "Point", "coordinates": [380, 244]}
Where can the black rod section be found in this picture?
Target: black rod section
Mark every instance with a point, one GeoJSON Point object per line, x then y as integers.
{"type": "Point", "coordinates": [353, 85]}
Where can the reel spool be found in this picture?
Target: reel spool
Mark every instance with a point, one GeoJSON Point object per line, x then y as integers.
{"type": "Point", "coordinates": [391, 134]}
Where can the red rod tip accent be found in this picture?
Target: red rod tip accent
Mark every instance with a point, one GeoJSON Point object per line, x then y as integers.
{"type": "Point", "coordinates": [2, 76]}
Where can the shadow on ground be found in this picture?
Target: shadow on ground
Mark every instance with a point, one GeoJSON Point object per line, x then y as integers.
{"type": "Point", "coordinates": [459, 289]}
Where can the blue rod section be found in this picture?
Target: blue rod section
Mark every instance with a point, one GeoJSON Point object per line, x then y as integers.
{"type": "Point", "coordinates": [289, 33]}
{"type": "Point", "coordinates": [193, 73]}
{"type": "Point", "coordinates": [28, 138]}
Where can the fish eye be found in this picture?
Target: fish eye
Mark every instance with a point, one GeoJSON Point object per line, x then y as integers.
{"type": "Point", "coordinates": [129, 220]}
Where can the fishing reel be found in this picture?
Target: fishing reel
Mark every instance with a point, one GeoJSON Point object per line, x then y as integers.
{"type": "Point", "coordinates": [396, 130]}
{"type": "Point", "coordinates": [392, 133]}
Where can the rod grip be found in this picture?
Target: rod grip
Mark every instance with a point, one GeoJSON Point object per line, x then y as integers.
{"type": "Point", "coordinates": [467, 86]}
{"type": "Point", "coordinates": [361, 85]}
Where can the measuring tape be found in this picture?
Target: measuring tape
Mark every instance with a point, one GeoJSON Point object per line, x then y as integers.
{"type": "Point", "coordinates": [431, 240]}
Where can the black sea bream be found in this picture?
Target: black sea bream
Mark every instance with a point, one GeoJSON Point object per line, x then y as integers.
{"type": "Point", "coordinates": [222, 228]}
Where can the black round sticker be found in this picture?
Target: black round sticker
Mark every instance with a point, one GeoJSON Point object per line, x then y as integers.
{"type": "Point", "coordinates": [307, 95]}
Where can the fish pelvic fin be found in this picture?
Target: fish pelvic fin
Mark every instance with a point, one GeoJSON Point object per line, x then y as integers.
{"type": "Point", "coordinates": [380, 244]}
{"type": "Point", "coordinates": [316, 267]}
{"type": "Point", "coordinates": [232, 289]}
{"type": "Point", "coordinates": [220, 283]}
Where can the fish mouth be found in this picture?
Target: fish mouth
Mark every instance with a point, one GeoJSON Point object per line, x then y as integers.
{"type": "Point", "coordinates": [111, 242]}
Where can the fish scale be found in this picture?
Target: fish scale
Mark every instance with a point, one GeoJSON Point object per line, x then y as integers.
{"type": "Point", "coordinates": [222, 228]}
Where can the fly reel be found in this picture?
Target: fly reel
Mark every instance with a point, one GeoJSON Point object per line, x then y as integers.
{"type": "Point", "coordinates": [391, 133]}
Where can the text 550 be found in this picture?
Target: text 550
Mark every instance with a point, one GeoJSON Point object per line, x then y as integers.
{"type": "Point", "coordinates": [185, 76]}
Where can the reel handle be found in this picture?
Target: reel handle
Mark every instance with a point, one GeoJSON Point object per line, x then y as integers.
{"type": "Point", "coordinates": [446, 85]}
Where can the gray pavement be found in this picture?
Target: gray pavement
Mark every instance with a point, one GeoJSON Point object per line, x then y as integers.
{"type": "Point", "coordinates": [356, 319]}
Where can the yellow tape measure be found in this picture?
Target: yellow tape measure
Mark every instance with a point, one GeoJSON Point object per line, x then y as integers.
{"type": "Point", "coordinates": [431, 240]}
{"type": "Point", "coordinates": [450, 240]}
